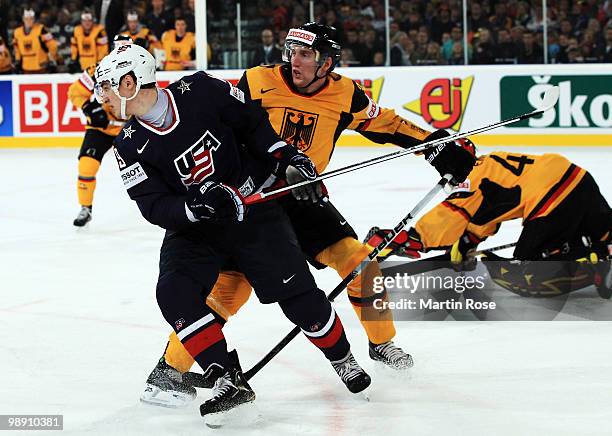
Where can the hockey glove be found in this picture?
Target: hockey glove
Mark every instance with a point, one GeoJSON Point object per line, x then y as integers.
{"type": "Point", "coordinates": [214, 201]}
{"type": "Point", "coordinates": [461, 253]}
{"type": "Point", "coordinates": [449, 157]}
{"type": "Point", "coordinates": [405, 244]}
{"type": "Point", "coordinates": [52, 67]}
{"type": "Point", "coordinates": [299, 169]}
{"type": "Point", "coordinates": [96, 115]}
{"type": "Point", "coordinates": [74, 67]}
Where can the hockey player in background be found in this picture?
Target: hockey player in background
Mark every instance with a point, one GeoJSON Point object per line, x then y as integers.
{"type": "Point", "coordinates": [100, 131]}
{"type": "Point", "coordinates": [89, 43]}
{"type": "Point", "coordinates": [187, 157]}
{"type": "Point", "coordinates": [309, 106]}
{"type": "Point", "coordinates": [34, 47]}
{"type": "Point", "coordinates": [140, 34]}
{"type": "Point", "coordinates": [566, 239]}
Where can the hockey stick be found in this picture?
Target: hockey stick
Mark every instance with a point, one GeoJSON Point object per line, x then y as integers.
{"type": "Point", "coordinates": [338, 289]}
{"type": "Point", "coordinates": [548, 102]}
{"type": "Point", "coordinates": [438, 262]}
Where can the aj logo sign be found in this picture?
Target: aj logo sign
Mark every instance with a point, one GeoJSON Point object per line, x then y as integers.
{"type": "Point", "coordinates": [443, 102]}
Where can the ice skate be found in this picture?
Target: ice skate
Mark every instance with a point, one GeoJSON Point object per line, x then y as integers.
{"type": "Point", "coordinates": [391, 355]}
{"type": "Point", "coordinates": [166, 387]}
{"type": "Point", "coordinates": [231, 395]}
{"type": "Point", "coordinates": [353, 376]}
{"type": "Point", "coordinates": [83, 217]}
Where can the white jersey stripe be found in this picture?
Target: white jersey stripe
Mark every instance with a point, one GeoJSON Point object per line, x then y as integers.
{"type": "Point", "coordinates": [196, 325]}
{"type": "Point", "coordinates": [325, 329]}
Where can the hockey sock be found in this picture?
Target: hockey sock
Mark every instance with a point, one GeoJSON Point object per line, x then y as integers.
{"type": "Point", "coordinates": [229, 294]}
{"type": "Point", "coordinates": [313, 313]}
{"type": "Point", "coordinates": [86, 185]}
{"type": "Point", "coordinates": [195, 325]}
{"type": "Point", "coordinates": [344, 256]}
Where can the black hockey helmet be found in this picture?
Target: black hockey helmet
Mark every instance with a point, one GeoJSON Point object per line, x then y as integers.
{"type": "Point", "coordinates": [319, 37]}
{"type": "Point", "coordinates": [120, 40]}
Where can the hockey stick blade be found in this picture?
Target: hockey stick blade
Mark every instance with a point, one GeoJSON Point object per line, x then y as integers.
{"type": "Point", "coordinates": [551, 96]}
{"type": "Point", "coordinates": [349, 278]}
{"type": "Point", "coordinates": [549, 100]}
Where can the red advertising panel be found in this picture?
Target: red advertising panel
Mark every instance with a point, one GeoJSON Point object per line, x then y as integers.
{"type": "Point", "coordinates": [35, 108]}
{"type": "Point", "coordinates": [70, 118]}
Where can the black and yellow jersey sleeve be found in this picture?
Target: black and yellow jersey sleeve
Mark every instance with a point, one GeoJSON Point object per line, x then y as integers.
{"type": "Point", "coordinates": [501, 187]}
{"type": "Point", "coordinates": [313, 122]}
{"type": "Point", "coordinates": [82, 90]}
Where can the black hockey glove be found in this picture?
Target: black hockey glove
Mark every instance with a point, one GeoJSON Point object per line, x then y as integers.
{"type": "Point", "coordinates": [52, 67]}
{"type": "Point", "coordinates": [216, 202]}
{"type": "Point", "coordinates": [461, 253]}
{"type": "Point", "coordinates": [300, 168]}
{"type": "Point", "coordinates": [95, 114]}
{"type": "Point", "coordinates": [449, 158]}
{"type": "Point", "coordinates": [74, 67]}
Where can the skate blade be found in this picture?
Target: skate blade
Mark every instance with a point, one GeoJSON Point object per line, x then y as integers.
{"type": "Point", "coordinates": [365, 394]}
{"type": "Point", "coordinates": [245, 415]}
{"type": "Point", "coordinates": [172, 399]}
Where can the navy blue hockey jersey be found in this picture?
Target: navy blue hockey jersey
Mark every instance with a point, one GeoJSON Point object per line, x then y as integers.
{"type": "Point", "coordinates": [215, 136]}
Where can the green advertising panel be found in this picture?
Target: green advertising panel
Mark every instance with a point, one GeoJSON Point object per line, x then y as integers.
{"type": "Point", "coordinates": [584, 101]}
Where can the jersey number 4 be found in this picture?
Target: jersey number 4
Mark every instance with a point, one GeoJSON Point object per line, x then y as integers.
{"type": "Point", "coordinates": [514, 163]}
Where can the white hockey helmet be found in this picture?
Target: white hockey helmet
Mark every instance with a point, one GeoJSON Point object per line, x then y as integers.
{"type": "Point", "coordinates": [128, 58]}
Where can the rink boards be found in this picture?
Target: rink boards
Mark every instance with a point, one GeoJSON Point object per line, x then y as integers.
{"type": "Point", "coordinates": [36, 112]}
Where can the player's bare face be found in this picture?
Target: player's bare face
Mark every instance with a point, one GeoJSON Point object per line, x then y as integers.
{"type": "Point", "coordinates": [303, 66]}
{"type": "Point", "coordinates": [28, 22]}
{"type": "Point", "coordinates": [87, 25]}
{"type": "Point", "coordinates": [108, 97]}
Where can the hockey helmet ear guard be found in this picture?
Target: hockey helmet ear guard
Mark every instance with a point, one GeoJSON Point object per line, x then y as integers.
{"type": "Point", "coordinates": [317, 37]}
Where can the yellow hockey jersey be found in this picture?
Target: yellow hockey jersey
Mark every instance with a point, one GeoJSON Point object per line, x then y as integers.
{"type": "Point", "coordinates": [501, 186]}
{"type": "Point", "coordinates": [313, 122]}
{"type": "Point", "coordinates": [88, 48]}
{"type": "Point", "coordinates": [81, 91]}
{"type": "Point", "coordinates": [177, 50]}
{"type": "Point", "coordinates": [33, 48]}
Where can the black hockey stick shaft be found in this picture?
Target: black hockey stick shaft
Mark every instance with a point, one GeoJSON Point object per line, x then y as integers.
{"type": "Point", "coordinates": [548, 102]}
{"type": "Point", "coordinates": [440, 261]}
{"type": "Point", "coordinates": [344, 283]}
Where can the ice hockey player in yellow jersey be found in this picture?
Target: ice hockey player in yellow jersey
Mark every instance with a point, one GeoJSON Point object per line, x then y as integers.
{"type": "Point", "coordinates": [89, 43]}
{"type": "Point", "coordinates": [140, 35]}
{"type": "Point", "coordinates": [564, 215]}
{"type": "Point", "coordinates": [102, 127]}
{"type": "Point", "coordinates": [34, 46]}
{"type": "Point", "coordinates": [309, 106]}
{"type": "Point", "coordinates": [179, 47]}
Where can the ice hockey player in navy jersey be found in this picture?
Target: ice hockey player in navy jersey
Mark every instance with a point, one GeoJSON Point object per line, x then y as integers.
{"type": "Point", "coordinates": [187, 157]}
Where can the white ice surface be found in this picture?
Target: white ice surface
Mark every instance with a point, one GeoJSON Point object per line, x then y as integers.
{"type": "Point", "coordinates": [80, 329]}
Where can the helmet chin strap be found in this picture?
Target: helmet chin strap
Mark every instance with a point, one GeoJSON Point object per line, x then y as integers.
{"type": "Point", "coordinates": [316, 77]}
{"type": "Point", "coordinates": [124, 100]}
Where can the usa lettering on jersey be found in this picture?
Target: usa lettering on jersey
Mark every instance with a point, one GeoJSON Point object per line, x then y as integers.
{"type": "Point", "coordinates": [196, 163]}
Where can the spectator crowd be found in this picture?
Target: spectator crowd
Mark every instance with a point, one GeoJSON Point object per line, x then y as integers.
{"type": "Point", "coordinates": [67, 34]}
